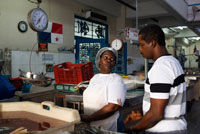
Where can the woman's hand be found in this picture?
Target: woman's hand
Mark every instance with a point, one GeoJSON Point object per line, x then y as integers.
{"type": "Point", "coordinates": [85, 118]}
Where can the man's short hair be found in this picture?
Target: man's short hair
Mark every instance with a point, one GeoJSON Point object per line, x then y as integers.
{"type": "Point", "coordinates": [153, 32]}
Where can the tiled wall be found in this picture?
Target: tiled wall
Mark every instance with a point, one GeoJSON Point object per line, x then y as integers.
{"type": "Point", "coordinates": [20, 60]}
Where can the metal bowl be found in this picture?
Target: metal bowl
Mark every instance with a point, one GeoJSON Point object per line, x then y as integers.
{"type": "Point", "coordinates": [36, 79]}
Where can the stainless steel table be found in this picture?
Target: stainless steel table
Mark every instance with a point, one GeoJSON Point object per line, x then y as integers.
{"type": "Point", "coordinates": [133, 97]}
{"type": "Point", "coordinates": [37, 94]}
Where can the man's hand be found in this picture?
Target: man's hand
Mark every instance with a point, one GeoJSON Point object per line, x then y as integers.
{"type": "Point", "coordinates": [129, 131]}
{"type": "Point", "coordinates": [133, 117]}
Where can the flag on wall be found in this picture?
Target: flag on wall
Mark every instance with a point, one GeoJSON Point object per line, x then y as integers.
{"type": "Point", "coordinates": [195, 49]}
{"type": "Point", "coordinates": [53, 34]}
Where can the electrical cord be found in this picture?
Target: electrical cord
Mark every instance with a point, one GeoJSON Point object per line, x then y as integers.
{"type": "Point", "coordinates": [44, 63]}
{"type": "Point", "coordinates": [31, 56]}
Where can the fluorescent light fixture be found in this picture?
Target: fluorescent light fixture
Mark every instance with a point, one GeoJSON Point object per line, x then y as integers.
{"type": "Point", "coordinates": [173, 29]}
{"type": "Point", "coordinates": [181, 27]}
{"type": "Point", "coordinates": [194, 38]}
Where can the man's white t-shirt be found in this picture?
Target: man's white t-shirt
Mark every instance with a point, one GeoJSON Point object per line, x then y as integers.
{"type": "Point", "coordinates": [104, 89]}
{"type": "Point", "coordinates": [166, 81]}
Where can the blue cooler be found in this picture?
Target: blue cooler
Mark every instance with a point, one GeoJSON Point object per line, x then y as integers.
{"type": "Point", "coordinates": [7, 90]}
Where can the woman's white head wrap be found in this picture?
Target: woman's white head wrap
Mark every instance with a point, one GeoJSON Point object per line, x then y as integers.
{"type": "Point", "coordinates": [101, 51]}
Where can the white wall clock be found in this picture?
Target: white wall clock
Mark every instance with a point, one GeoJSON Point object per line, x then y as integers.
{"type": "Point", "coordinates": [37, 19]}
{"type": "Point", "coordinates": [117, 44]}
{"type": "Point", "coordinates": [22, 26]}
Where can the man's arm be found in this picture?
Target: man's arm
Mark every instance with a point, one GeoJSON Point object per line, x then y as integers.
{"type": "Point", "coordinates": [153, 116]}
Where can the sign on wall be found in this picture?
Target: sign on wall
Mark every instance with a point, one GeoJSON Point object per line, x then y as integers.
{"type": "Point", "coordinates": [131, 34]}
{"type": "Point", "coordinates": [42, 47]}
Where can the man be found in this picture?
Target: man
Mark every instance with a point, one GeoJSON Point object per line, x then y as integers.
{"type": "Point", "coordinates": [164, 102]}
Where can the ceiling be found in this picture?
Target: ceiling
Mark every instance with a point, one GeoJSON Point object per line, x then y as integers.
{"type": "Point", "coordinates": [163, 12]}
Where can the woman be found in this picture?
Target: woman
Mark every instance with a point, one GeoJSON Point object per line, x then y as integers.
{"type": "Point", "coordinates": [105, 94]}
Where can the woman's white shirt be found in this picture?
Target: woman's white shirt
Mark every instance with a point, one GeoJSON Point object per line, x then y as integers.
{"type": "Point", "coordinates": [104, 89]}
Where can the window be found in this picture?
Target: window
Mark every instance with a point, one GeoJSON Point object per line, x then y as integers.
{"type": "Point", "coordinates": [89, 29]}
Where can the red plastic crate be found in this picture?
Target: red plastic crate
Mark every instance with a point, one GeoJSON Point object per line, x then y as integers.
{"type": "Point", "coordinates": [70, 73]}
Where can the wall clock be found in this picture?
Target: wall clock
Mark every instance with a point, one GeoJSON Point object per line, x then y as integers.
{"type": "Point", "coordinates": [117, 44]}
{"type": "Point", "coordinates": [22, 26]}
{"type": "Point", "coordinates": [37, 19]}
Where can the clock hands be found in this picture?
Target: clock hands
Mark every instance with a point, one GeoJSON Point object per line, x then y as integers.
{"type": "Point", "coordinates": [38, 21]}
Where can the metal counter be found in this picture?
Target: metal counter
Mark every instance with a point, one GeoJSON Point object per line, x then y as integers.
{"type": "Point", "coordinates": [37, 94]}
{"type": "Point", "coordinates": [133, 97]}
{"type": "Point", "coordinates": [193, 87]}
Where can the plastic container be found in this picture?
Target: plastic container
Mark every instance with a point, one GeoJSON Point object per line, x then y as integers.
{"type": "Point", "coordinates": [7, 76]}
{"type": "Point", "coordinates": [26, 87]}
{"type": "Point", "coordinates": [69, 73]}
{"type": "Point", "coordinates": [16, 82]}
{"type": "Point", "coordinates": [7, 90]}
{"type": "Point", "coordinates": [45, 109]}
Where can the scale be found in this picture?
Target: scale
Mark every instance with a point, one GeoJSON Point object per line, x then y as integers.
{"type": "Point", "coordinates": [37, 19]}
{"type": "Point", "coordinates": [117, 44]}
{"type": "Point", "coordinates": [38, 22]}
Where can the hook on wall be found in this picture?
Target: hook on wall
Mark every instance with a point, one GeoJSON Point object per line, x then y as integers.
{"type": "Point", "coordinates": [38, 2]}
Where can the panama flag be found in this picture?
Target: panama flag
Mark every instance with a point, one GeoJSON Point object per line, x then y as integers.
{"type": "Point", "coordinates": [53, 34]}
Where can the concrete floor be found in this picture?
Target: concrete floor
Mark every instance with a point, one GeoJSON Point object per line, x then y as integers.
{"type": "Point", "coordinates": [193, 118]}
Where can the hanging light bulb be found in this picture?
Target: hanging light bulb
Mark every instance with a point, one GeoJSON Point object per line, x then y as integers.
{"type": "Point", "coordinates": [28, 74]}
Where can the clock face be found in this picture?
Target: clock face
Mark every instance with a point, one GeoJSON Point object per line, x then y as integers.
{"type": "Point", "coordinates": [38, 19]}
{"type": "Point", "coordinates": [22, 26]}
{"type": "Point", "coordinates": [116, 44]}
